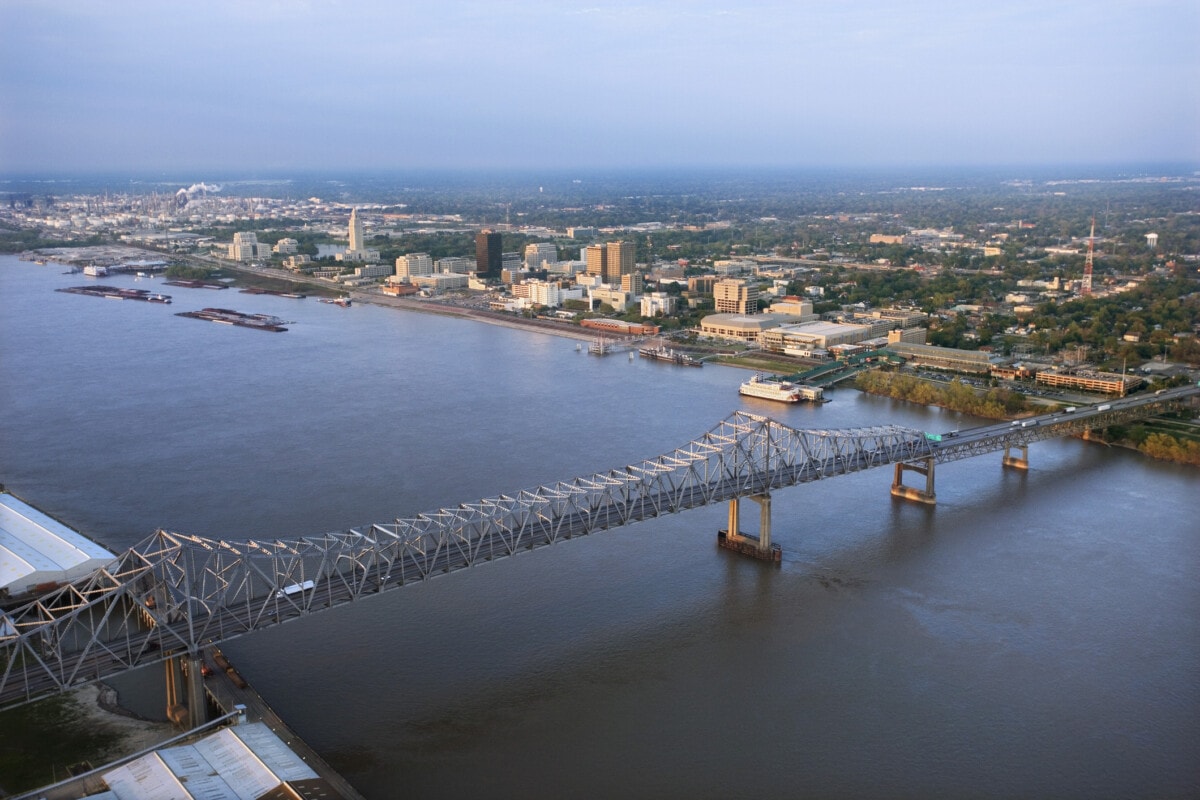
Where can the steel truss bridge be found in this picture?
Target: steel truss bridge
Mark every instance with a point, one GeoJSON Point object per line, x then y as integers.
{"type": "Point", "coordinates": [174, 594]}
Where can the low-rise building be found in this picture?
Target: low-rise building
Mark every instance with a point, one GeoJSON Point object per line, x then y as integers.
{"type": "Point", "coordinates": [1089, 381]}
{"type": "Point", "coordinates": [740, 327]}
{"type": "Point", "coordinates": [620, 327]}
{"type": "Point", "coordinates": [948, 358]}
{"type": "Point", "coordinates": [808, 336]}
{"type": "Point", "coordinates": [618, 299]}
{"type": "Point", "coordinates": [656, 303]}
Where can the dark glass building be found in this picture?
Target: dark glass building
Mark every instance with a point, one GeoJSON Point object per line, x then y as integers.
{"type": "Point", "coordinates": [488, 258]}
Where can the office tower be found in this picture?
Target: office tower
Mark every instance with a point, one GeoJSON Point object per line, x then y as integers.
{"type": "Point", "coordinates": [735, 297]}
{"type": "Point", "coordinates": [621, 262]}
{"type": "Point", "coordinates": [538, 253]}
{"type": "Point", "coordinates": [596, 258]}
{"type": "Point", "coordinates": [488, 256]}
{"type": "Point", "coordinates": [413, 265]}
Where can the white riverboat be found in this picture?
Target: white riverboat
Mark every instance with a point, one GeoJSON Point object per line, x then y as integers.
{"type": "Point", "coordinates": [782, 391]}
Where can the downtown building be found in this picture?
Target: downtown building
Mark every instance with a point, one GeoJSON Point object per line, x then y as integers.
{"type": "Point", "coordinates": [610, 261]}
{"type": "Point", "coordinates": [489, 258]}
{"type": "Point", "coordinates": [358, 251]}
{"type": "Point", "coordinates": [414, 265]}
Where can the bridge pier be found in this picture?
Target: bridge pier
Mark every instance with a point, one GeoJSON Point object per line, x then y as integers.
{"type": "Point", "coordinates": [929, 497]}
{"type": "Point", "coordinates": [760, 546]}
{"type": "Point", "coordinates": [1013, 461]}
{"type": "Point", "coordinates": [187, 704]}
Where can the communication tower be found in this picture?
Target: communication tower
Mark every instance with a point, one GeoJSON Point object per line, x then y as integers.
{"type": "Point", "coordinates": [1086, 286]}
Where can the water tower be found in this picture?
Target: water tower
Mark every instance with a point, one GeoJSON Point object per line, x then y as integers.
{"type": "Point", "coordinates": [1152, 241]}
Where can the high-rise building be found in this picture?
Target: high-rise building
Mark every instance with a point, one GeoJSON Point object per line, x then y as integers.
{"type": "Point", "coordinates": [357, 251]}
{"type": "Point", "coordinates": [414, 264]}
{"type": "Point", "coordinates": [538, 253]}
{"type": "Point", "coordinates": [596, 258]}
{"type": "Point", "coordinates": [734, 296]}
{"type": "Point", "coordinates": [456, 264]}
{"type": "Point", "coordinates": [246, 247]}
{"type": "Point", "coordinates": [621, 260]}
{"type": "Point", "coordinates": [356, 231]}
{"type": "Point", "coordinates": [489, 258]}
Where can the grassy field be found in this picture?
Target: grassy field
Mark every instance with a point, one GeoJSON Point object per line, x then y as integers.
{"type": "Point", "coordinates": [39, 741]}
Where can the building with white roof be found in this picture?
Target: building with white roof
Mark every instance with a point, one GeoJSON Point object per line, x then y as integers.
{"type": "Point", "coordinates": [38, 553]}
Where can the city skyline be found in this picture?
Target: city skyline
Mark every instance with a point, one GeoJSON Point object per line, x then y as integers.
{"type": "Point", "coordinates": [220, 85]}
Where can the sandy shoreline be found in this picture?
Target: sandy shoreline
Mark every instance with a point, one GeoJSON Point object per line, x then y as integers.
{"type": "Point", "coordinates": [98, 708]}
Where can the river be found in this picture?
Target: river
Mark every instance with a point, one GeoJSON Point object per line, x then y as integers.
{"type": "Point", "coordinates": [1034, 635]}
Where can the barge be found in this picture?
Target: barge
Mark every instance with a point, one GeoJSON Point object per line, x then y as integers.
{"type": "Point", "coordinates": [116, 293]}
{"type": "Point", "coordinates": [225, 316]}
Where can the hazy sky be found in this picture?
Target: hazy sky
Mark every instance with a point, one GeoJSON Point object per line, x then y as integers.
{"type": "Point", "coordinates": [104, 85]}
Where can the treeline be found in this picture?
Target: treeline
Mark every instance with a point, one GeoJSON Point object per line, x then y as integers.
{"type": "Point", "coordinates": [996, 403]}
{"type": "Point", "coordinates": [1161, 446]}
{"type": "Point", "coordinates": [1165, 447]}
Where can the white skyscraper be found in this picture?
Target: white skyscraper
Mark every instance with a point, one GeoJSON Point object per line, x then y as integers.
{"type": "Point", "coordinates": [356, 231]}
{"type": "Point", "coordinates": [357, 251]}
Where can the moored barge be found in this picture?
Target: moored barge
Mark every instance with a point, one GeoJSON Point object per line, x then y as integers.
{"type": "Point", "coordinates": [117, 293]}
{"type": "Point", "coordinates": [225, 316]}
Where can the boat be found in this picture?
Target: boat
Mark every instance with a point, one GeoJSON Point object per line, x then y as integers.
{"type": "Point", "coordinates": [344, 302]}
{"type": "Point", "coordinates": [782, 391]}
{"type": "Point", "coordinates": [95, 271]}
{"type": "Point", "coordinates": [664, 353]}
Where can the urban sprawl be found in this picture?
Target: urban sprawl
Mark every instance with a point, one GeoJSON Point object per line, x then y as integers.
{"type": "Point", "coordinates": [1037, 303]}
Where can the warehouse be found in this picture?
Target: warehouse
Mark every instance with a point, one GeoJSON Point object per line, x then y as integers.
{"type": "Point", "coordinates": [38, 553]}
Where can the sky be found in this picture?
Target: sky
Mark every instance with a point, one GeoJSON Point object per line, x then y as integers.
{"type": "Point", "coordinates": [274, 85]}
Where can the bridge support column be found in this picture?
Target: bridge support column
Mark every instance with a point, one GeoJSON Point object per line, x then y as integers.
{"type": "Point", "coordinates": [1013, 461]}
{"type": "Point", "coordinates": [177, 710]}
{"type": "Point", "coordinates": [187, 705]}
{"type": "Point", "coordinates": [929, 497]}
{"type": "Point", "coordinates": [197, 699]}
{"type": "Point", "coordinates": [760, 546]}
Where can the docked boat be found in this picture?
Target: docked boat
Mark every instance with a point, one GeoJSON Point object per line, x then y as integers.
{"type": "Point", "coordinates": [95, 271]}
{"type": "Point", "coordinates": [344, 302]}
{"type": "Point", "coordinates": [663, 353]}
{"type": "Point", "coordinates": [781, 391]}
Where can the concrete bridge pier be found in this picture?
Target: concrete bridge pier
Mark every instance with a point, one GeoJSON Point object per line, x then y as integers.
{"type": "Point", "coordinates": [187, 704]}
{"type": "Point", "coordinates": [928, 496]}
{"type": "Point", "coordinates": [760, 546]}
{"type": "Point", "coordinates": [1014, 461]}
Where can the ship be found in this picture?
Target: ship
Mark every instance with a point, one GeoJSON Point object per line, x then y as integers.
{"type": "Point", "coordinates": [663, 353]}
{"type": "Point", "coordinates": [262, 322]}
{"type": "Point", "coordinates": [782, 391]}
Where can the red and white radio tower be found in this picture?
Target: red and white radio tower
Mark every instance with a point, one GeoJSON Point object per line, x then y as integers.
{"type": "Point", "coordinates": [1086, 287]}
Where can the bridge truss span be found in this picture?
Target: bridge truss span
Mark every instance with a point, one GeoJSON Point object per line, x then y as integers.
{"type": "Point", "coordinates": [173, 594]}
